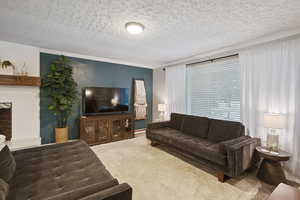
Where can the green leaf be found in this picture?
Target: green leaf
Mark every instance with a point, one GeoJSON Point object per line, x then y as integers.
{"type": "Point", "coordinates": [51, 107]}
{"type": "Point", "coordinates": [61, 89]}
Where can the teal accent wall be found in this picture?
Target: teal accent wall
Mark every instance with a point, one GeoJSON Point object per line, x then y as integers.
{"type": "Point", "coordinates": [88, 73]}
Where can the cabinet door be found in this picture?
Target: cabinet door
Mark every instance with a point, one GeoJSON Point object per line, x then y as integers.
{"type": "Point", "coordinates": [89, 131]}
{"type": "Point", "coordinates": [116, 130]}
{"type": "Point", "coordinates": [128, 128]}
{"type": "Point", "coordinates": [103, 131]}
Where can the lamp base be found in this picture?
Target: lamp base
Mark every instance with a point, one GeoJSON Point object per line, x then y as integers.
{"type": "Point", "coordinates": [162, 116]}
{"type": "Point", "coordinates": [273, 142]}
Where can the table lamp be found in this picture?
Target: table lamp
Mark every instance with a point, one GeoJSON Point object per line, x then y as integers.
{"type": "Point", "coordinates": [162, 108]}
{"type": "Point", "coordinates": [273, 122]}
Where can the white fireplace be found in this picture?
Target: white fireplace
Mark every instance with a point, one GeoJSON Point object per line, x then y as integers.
{"type": "Point", "coordinates": [25, 99]}
{"type": "Point", "coordinates": [25, 115]}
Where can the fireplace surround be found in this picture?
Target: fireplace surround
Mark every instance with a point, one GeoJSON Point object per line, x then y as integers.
{"type": "Point", "coordinates": [6, 119]}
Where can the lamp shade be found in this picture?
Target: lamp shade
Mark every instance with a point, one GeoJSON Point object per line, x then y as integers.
{"type": "Point", "coordinates": [276, 121]}
{"type": "Point", "coordinates": [162, 107]}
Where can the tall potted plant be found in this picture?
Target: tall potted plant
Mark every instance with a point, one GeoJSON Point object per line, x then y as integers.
{"type": "Point", "coordinates": [62, 90]}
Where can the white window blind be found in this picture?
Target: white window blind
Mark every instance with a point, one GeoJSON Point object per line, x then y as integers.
{"type": "Point", "coordinates": [213, 89]}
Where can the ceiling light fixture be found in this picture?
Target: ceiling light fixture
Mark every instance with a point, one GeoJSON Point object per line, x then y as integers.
{"type": "Point", "coordinates": [134, 27]}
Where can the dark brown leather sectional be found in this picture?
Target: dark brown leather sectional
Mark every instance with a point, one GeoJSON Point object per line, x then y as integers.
{"type": "Point", "coordinates": [222, 145]}
{"type": "Point", "coordinates": [65, 171]}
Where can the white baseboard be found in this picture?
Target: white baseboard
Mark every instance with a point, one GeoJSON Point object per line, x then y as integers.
{"type": "Point", "coordinates": [15, 144]}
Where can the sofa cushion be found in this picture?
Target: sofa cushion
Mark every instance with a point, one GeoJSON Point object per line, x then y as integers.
{"type": "Point", "coordinates": [220, 130]}
{"type": "Point", "coordinates": [47, 171]}
{"type": "Point", "coordinates": [196, 126]}
{"type": "Point", "coordinates": [176, 121]}
{"type": "Point", "coordinates": [213, 154]}
{"type": "Point", "coordinates": [194, 145]}
{"type": "Point", "coordinates": [164, 135]}
{"type": "Point", "coordinates": [203, 148]}
{"type": "Point", "coordinates": [171, 136]}
{"type": "Point", "coordinates": [4, 187]}
{"type": "Point", "coordinates": [7, 164]}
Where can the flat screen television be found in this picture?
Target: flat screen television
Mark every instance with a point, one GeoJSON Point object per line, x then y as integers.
{"type": "Point", "coordinates": [98, 100]}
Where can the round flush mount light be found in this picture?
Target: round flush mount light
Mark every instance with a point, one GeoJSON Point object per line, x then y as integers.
{"type": "Point", "coordinates": [134, 28]}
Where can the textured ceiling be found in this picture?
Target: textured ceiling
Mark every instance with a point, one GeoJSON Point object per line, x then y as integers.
{"type": "Point", "coordinates": [175, 29]}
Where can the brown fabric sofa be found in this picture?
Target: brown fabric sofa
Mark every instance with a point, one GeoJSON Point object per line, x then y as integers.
{"type": "Point", "coordinates": [68, 171]}
{"type": "Point", "coordinates": [222, 145]}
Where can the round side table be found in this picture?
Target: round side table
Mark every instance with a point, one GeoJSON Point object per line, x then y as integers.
{"type": "Point", "coordinates": [270, 170]}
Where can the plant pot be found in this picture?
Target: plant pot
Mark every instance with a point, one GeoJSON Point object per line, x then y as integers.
{"type": "Point", "coordinates": [61, 135]}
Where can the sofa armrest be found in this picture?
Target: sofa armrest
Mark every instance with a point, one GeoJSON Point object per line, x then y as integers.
{"type": "Point", "coordinates": [223, 145]}
{"type": "Point", "coordinates": [155, 125]}
{"type": "Point", "coordinates": [240, 155]}
{"type": "Point", "coordinates": [118, 192]}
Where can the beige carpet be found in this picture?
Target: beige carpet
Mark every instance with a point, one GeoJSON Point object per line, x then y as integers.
{"type": "Point", "coordinates": [155, 174]}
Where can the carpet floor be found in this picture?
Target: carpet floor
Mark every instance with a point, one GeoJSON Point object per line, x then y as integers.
{"type": "Point", "coordinates": [155, 174]}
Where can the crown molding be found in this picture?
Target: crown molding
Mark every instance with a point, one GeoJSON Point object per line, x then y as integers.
{"type": "Point", "coordinates": [236, 48]}
{"type": "Point", "coordinates": [101, 59]}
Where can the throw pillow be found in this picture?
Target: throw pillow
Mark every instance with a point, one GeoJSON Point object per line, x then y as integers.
{"type": "Point", "coordinates": [7, 164]}
{"type": "Point", "coordinates": [4, 187]}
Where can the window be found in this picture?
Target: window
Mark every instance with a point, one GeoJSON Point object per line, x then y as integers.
{"type": "Point", "coordinates": [213, 89]}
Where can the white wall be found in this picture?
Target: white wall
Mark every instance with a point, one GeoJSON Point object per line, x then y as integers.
{"type": "Point", "coordinates": [159, 91]}
{"type": "Point", "coordinates": [25, 100]}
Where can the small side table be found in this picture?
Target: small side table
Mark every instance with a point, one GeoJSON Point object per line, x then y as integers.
{"type": "Point", "coordinates": [270, 170]}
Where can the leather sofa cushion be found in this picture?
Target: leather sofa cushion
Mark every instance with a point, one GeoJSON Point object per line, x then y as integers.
{"type": "Point", "coordinates": [172, 136]}
{"type": "Point", "coordinates": [164, 131]}
{"type": "Point", "coordinates": [199, 147]}
{"type": "Point", "coordinates": [221, 130]}
{"type": "Point", "coordinates": [48, 171]}
{"type": "Point", "coordinates": [196, 126]}
{"type": "Point", "coordinates": [4, 187]}
{"type": "Point", "coordinates": [176, 121]}
{"type": "Point", "coordinates": [214, 154]}
{"type": "Point", "coordinates": [7, 164]}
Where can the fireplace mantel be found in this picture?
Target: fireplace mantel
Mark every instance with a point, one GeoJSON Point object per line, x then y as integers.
{"type": "Point", "coordinates": [20, 80]}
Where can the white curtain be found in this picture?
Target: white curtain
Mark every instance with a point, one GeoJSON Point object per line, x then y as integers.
{"type": "Point", "coordinates": [271, 84]}
{"type": "Point", "coordinates": [175, 89]}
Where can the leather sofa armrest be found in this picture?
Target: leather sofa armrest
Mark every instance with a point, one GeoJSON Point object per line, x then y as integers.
{"type": "Point", "coordinates": [155, 125]}
{"type": "Point", "coordinates": [119, 192]}
{"type": "Point", "coordinates": [223, 145]}
{"type": "Point", "coordinates": [240, 155]}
